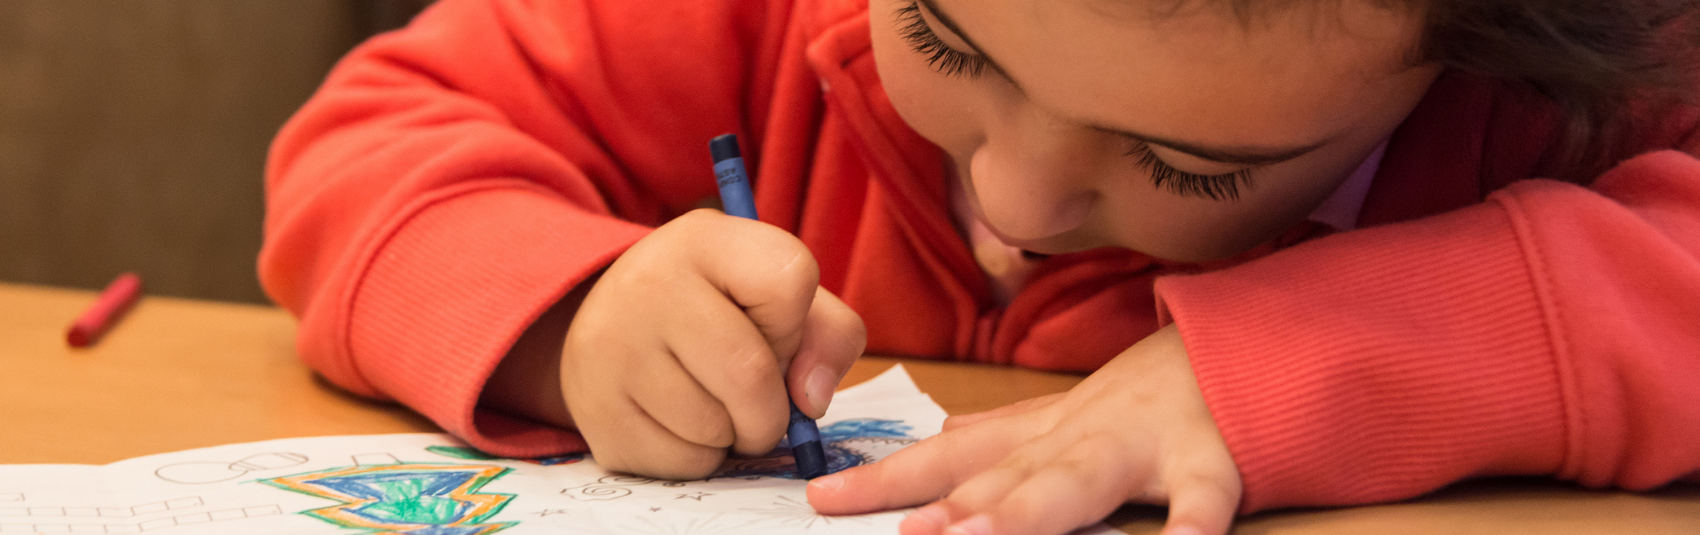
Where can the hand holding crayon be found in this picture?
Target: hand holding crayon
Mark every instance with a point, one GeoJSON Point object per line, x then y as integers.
{"type": "Point", "coordinates": [700, 339]}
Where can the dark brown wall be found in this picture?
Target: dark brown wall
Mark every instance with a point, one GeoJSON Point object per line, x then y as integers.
{"type": "Point", "coordinates": [133, 133]}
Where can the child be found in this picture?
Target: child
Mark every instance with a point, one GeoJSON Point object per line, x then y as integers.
{"type": "Point", "coordinates": [1305, 246]}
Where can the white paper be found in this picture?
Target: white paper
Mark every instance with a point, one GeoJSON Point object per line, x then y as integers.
{"type": "Point", "coordinates": [431, 484]}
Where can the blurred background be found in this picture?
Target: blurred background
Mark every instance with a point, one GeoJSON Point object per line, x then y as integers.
{"type": "Point", "coordinates": [133, 133]}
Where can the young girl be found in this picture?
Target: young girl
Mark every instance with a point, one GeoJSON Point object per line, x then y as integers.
{"type": "Point", "coordinates": [1314, 252]}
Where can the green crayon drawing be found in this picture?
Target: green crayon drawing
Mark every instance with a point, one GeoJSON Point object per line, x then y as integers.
{"type": "Point", "coordinates": [405, 499]}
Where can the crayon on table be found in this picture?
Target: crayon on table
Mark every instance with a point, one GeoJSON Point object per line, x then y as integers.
{"type": "Point", "coordinates": [738, 200]}
{"type": "Point", "coordinates": [107, 309]}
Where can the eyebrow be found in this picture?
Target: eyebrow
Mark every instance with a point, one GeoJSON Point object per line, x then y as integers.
{"type": "Point", "coordinates": [1228, 155]}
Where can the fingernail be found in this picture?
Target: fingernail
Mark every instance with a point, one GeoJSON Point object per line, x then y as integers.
{"type": "Point", "coordinates": [1182, 530]}
{"type": "Point", "coordinates": [932, 514]}
{"type": "Point", "coordinates": [828, 483]}
{"type": "Point", "coordinates": [819, 387]}
{"type": "Point", "coordinates": [975, 525]}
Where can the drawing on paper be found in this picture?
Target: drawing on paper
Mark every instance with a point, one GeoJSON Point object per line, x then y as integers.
{"type": "Point", "coordinates": [200, 473]}
{"type": "Point", "coordinates": [611, 487]}
{"type": "Point", "coordinates": [845, 443]}
{"type": "Point", "coordinates": [715, 524]}
{"type": "Point", "coordinates": [405, 499]}
{"type": "Point", "coordinates": [92, 519]}
{"type": "Point", "coordinates": [369, 459]}
{"type": "Point", "coordinates": [238, 513]}
{"type": "Point", "coordinates": [470, 454]}
{"type": "Point", "coordinates": [109, 512]}
{"type": "Point", "coordinates": [432, 484]}
{"type": "Point", "coordinates": [788, 512]}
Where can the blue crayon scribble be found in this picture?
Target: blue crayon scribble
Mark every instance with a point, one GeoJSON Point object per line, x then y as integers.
{"type": "Point", "coordinates": [835, 439]}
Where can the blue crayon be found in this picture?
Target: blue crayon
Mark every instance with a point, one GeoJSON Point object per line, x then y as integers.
{"type": "Point", "coordinates": [737, 200]}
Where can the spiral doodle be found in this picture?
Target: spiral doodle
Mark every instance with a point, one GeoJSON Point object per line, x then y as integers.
{"type": "Point", "coordinates": [607, 488]}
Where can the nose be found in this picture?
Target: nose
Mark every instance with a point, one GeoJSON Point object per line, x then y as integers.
{"type": "Point", "coordinates": [1034, 180]}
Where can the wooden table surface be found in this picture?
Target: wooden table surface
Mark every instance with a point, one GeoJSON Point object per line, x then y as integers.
{"type": "Point", "coordinates": [179, 374]}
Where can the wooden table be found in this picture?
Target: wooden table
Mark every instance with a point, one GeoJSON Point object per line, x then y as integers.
{"type": "Point", "coordinates": [179, 374]}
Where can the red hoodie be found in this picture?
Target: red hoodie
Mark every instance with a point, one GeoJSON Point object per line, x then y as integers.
{"type": "Point", "coordinates": [453, 180]}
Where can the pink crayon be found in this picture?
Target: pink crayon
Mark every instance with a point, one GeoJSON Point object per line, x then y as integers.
{"type": "Point", "coordinates": [113, 302]}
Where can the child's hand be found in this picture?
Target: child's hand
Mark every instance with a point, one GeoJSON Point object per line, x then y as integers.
{"type": "Point", "coordinates": [685, 346]}
{"type": "Point", "coordinates": [1135, 431]}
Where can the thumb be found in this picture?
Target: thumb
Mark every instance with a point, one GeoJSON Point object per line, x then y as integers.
{"type": "Point", "coordinates": [832, 338]}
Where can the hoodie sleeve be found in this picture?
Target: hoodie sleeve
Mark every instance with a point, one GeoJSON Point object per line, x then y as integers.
{"type": "Point", "coordinates": [453, 179]}
{"type": "Point", "coordinates": [1551, 330]}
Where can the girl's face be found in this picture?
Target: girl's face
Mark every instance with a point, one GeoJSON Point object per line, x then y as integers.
{"type": "Point", "coordinates": [1076, 124]}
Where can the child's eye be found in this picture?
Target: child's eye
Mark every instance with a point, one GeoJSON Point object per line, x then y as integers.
{"type": "Point", "coordinates": [1214, 187]}
{"type": "Point", "coordinates": [940, 57]}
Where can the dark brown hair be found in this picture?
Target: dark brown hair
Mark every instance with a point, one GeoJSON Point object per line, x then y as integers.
{"type": "Point", "coordinates": [1593, 58]}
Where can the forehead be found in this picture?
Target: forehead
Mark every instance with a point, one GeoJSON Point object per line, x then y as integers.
{"type": "Point", "coordinates": [1195, 70]}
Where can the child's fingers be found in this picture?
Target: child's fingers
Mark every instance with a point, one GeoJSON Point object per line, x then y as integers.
{"type": "Point", "coordinates": [1049, 487]}
{"type": "Point", "coordinates": [833, 337]}
{"type": "Point", "coordinates": [920, 473]}
{"type": "Point", "coordinates": [985, 488]}
{"type": "Point", "coordinates": [1054, 500]}
{"type": "Point", "coordinates": [1006, 410]}
{"type": "Point", "coordinates": [662, 388]}
{"type": "Point", "coordinates": [725, 353]}
{"type": "Point", "coordinates": [766, 271]}
{"type": "Point", "coordinates": [638, 444]}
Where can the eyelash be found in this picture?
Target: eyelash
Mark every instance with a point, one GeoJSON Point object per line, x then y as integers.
{"type": "Point", "coordinates": [1214, 187]}
{"type": "Point", "coordinates": [940, 57]}
{"type": "Point", "coordinates": [952, 62]}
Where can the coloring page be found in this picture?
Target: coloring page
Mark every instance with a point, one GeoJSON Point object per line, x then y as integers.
{"type": "Point", "coordinates": [432, 484]}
